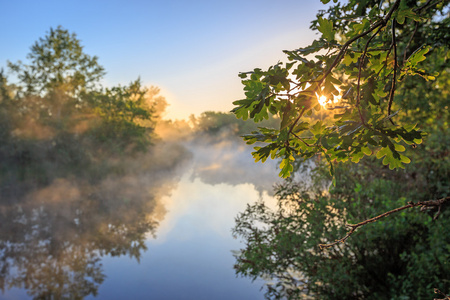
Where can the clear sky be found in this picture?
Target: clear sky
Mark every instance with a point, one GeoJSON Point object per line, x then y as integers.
{"type": "Point", "coordinates": [193, 50]}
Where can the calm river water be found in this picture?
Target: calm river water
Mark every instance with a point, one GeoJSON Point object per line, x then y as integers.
{"type": "Point", "coordinates": [160, 230]}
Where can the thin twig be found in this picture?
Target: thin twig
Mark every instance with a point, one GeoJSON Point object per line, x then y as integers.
{"type": "Point", "coordinates": [353, 227]}
{"type": "Point", "coordinates": [372, 50]}
{"type": "Point", "coordinates": [418, 9]}
{"type": "Point", "coordinates": [394, 79]}
{"type": "Point", "coordinates": [378, 25]}
{"type": "Point", "coordinates": [346, 45]}
{"type": "Point", "coordinates": [409, 42]}
{"type": "Point", "coordinates": [426, 5]}
{"type": "Point", "coordinates": [295, 123]}
{"type": "Point", "coordinates": [304, 142]}
{"type": "Point", "coordinates": [361, 62]}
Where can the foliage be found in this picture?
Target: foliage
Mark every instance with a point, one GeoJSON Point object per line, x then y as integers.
{"type": "Point", "coordinates": [368, 58]}
{"type": "Point", "coordinates": [387, 65]}
{"type": "Point", "coordinates": [127, 116]}
{"type": "Point", "coordinates": [58, 60]}
{"type": "Point", "coordinates": [403, 257]}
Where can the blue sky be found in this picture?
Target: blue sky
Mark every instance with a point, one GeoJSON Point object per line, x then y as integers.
{"type": "Point", "coordinates": [192, 50]}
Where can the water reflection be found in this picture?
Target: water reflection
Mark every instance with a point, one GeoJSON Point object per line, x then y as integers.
{"type": "Point", "coordinates": [63, 240]}
{"type": "Point", "coordinates": [52, 239]}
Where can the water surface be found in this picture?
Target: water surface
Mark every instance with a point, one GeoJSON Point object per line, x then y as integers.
{"type": "Point", "coordinates": [159, 230]}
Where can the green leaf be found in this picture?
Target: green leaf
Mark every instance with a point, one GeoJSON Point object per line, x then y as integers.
{"type": "Point", "coordinates": [404, 159]}
{"type": "Point", "coordinates": [328, 158]}
{"type": "Point", "coordinates": [317, 128]}
{"type": "Point", "coordinates": [351, 58]}
{"type": "Point", "coordinates": [418, 56]}
{"type": "Point", "coordinates": [356, 157]}
{"type": "Point", "coordinates": [407, 13]}
{"type": "Point", "coordinates": [326, 28]}
{"type": "Point", "coordinates": [287, 115]}
{"type": "Point", "coordinates": [360, 27]}
{"type": "Point", "coordinates": [382, 152]}
{"type": "Point", "coordinates": [366, 151]}
{"type": "Point", "coordinates": [286, 166]}
{"type": "Point", "coordinates": [399, 148]}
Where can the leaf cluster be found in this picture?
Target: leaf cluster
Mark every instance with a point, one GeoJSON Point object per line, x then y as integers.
{"type": "Point", "coordinates": [365, 57]}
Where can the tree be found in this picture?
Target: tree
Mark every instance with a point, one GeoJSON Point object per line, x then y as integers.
{"type": "Point", "coordinates": [52, 87]}
{"type": "Point", "coordinates": [58, 61]}
{"type": "Point", "coordinates": [127, 115]}
{"type": "Point", "coordinates": [386, 65]}
{"type": "Point", "coordinates": [58, 96]}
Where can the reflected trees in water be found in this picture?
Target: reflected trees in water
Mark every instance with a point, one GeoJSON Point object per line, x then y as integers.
{"type": "Point", "coordinates": [52, 238]}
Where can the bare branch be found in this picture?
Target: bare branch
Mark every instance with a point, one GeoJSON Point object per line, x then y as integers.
{"type": "Point", "coordinates": [423, 204]}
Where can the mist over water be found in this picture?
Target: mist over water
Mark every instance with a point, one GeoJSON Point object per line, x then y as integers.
{"type": "Point", "coordinates": [159, 227]}
{"type": "Point", "coordinates": [229, 161]}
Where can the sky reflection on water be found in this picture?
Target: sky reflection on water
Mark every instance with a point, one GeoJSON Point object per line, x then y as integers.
{"type": "Point", "coordinates": [195, 203]}
{"type": "Point", "coordinates": [191, 257]}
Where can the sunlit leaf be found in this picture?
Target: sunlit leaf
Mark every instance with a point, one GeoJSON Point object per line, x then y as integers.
{"type": "Point", "coordinates": [326, 28]}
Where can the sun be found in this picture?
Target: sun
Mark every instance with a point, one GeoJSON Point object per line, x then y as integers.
{"type": "Point", "coordinates": [325, 102]}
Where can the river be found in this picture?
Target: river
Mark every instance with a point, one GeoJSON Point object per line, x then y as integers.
{"type": "Point", "coordinates": [159, 230]}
